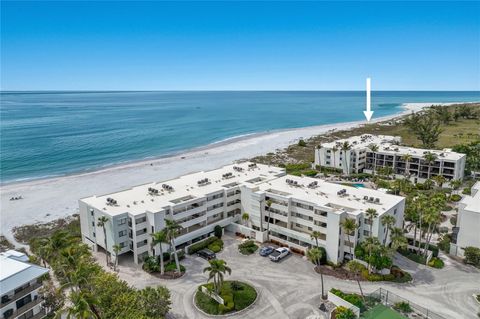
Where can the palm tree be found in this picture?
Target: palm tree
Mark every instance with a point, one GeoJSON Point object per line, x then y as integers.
{"type": "Point", "coordinates": [374, 148]}
{"type": "Point", "coordinates": [371, 244]}
{"type": "Point", "coordinates": [356, 268]}
{"type": "Point", "coordinates": [407, 158]}
{"type": "Point", "coordinates": [398, 239]}
{"type": "Point", "coordinates": [50, 247]}
{"type": "Point", "coordinates": [269, 204]}
{"type": "Point", "coordinates": [102, 222]}
{"type": "Point", "coordinates": [116, 248]}
{"type": "Point", "coordinates": [439, 179]}
{"type": "Point", "coordinates": [346, 147]}
{"type": "Point", "coordinates": [315, 255]}
{"type": "Point", "coordinates": [334, 150]}
{"type": "Point", "coordinates": [172, 228]}
{"type": "Point", "coordinates": [428, 184]}
{"type": "Point", "coordinates": [159, 238]}
{"type": "Point", "coordinates": [371, 215]}
{"type": "Point", "coordinates": [429, 158]}
{"type": "Point", "coordinates": [349, 225]}
{"type": "Point", "coordinates": [387, 221]}
{"type": "Point", "coordinates": [455, 184]}
{"type": "Point", "coordinates": [216, 271]}
{"type": "Point", "coordinates": [245, 218]}
{"type": "Point", "coordinates": [316, 235]}
{"type": "Point", "coordinates": [82, 306]}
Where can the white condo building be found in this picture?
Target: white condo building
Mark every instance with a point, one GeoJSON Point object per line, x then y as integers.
{"type": "Point", "coordinates": [467, 232]}
{"type": "Point", "coordinates": [200, 201]}
{"type": "Point", "coordinates": [19, 285]}
{"type": "Point", "coordinates": [368, 153]}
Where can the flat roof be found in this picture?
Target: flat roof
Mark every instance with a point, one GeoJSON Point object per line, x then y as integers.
{"type": "Point", "coordinates": [472, 203]}
{"type": "Point", "coordinates": [326, 194]}
{"type": "Point", "coordinates": [138, 200]}
{"type": "Point", "coordinates": [15, 273]}
{"type": "Point", "coordinates": [388, 144]}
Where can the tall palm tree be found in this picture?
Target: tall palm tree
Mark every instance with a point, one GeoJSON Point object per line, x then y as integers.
{"type": "Point", "coordinates": [407, 158]}
{"type": "Point", "coordinates": [371, 244]}
{"type": "Point", "coordinates": [116, 249]}
{"type": "Point", "coordinates": [102, 222]}
{"type": "Point", "coordinates": [269, 204]}
{"type": "Point", "coordinates": [429, 158]}
{"type": "Point", "coordinates": [346, 147]}
{"type": "Point", "coordinates": [172, 228]}
{"type": "Point", "coordinates": [349, 225]}
{"type": "Point", "coordinates": [216, 271]}
{"type": "Point", "coordinates": [428, 184]}
{"type": "Point", "coordinates": [374, 148]}
{"type": "Point", "coordinates": [387, 221]}
{"type": "Point", "coordinates": [334, 151]}
{"type": "Point", "coordinates": [245, 218]}
{"type": "Point", "coordinates": [398, 238]}
{"type": "Point", "coordinates": [371, 214]}
{"type": "Point", "coordinates": [315, 255]}
{"type": "Point", "coordinates": [81, 306]}
{"type": "Point", "coordinates": [316, 235]}
{"type": "Point", "coordinates": [356, 268]}
{"type": "Point", "coordinates": [159, 238]}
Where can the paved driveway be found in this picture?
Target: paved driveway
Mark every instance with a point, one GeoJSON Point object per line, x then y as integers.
{"type": "Point", "coordinates": [291, 289]}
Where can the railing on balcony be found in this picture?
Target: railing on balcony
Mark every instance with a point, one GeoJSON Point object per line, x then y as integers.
{"type": "Point", "coordinates": [20, 294]}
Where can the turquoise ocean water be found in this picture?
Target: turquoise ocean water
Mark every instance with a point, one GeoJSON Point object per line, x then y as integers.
{"type": "Point", "coordinates": [54, 133]}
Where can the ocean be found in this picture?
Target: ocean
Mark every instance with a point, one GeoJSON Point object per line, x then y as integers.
{"type": "Point", "coordinates": [44, 134]}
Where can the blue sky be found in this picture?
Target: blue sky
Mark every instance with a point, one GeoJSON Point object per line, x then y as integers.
{"type": "Point", "coordinates": [239, 45]}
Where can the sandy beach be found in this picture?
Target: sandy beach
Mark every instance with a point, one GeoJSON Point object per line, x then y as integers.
{"type": "Point", "coordinates": [49, 199]}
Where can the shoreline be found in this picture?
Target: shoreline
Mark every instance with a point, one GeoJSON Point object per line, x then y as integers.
{"type": "Point", "coordinates": [56, 197]}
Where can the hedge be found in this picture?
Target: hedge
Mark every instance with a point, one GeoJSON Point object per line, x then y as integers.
{"type": "Point", "coordinates": [431, 247]}
{"type": "Point", "coordinates": [354, 299]}
{"type": "Point", "coordinates": [194, 248]}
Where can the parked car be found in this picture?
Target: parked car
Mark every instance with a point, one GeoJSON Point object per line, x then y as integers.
{"type": "Point", "coordinates": [279, 253]}
{"type": "Point", "coordinates": [206, 254]}
{"type": "Point", "coordinates": [265, 251]}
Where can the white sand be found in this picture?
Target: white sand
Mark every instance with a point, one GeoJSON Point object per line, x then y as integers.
{"type": "Point", "coordinates": [49, 199]}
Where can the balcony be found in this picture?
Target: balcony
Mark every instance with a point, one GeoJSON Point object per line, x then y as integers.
{"type": "Point", "coordinates": [21, 293]}
{"type": "Point", "coordinates": [26, 307]}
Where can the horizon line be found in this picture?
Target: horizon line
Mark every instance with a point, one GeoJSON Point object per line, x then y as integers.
{"type": "Point", "coordinates": [213, 90]}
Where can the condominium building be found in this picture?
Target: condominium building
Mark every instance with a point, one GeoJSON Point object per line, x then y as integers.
{"type": "Point", "coordinates": [370, 153]}
{"type": "Point", "coordinates": [19, 285]}
{"type": "Point", "coordinates": [200, 201]}
{"type": "Point", "coordinates": [467, 233]}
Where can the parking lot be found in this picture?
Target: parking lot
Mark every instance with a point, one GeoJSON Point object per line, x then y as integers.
{"type": "Point", "coordinates": [291, 289]}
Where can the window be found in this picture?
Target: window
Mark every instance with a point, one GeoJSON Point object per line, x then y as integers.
{"type": "Point", "coordinates": [122, 233]}
{"type": "Point", "coordinates": [91, 212]}
{"type": "Point", "coordinates": [93, 224]}
{"type": "Point", "coordinates": [123, 244]}
{"type": "Point", "coordinates": [395, 211]}
{"type": "Point", "coordinates": [94, 234]}
{"type": "Point", "coordinates": [122, 221]}
{"type": "Point", "coordinates": [140, 220]}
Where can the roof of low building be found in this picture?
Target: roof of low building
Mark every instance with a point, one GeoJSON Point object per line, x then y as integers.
{"type": "Point", "coordinates": [15, 273]}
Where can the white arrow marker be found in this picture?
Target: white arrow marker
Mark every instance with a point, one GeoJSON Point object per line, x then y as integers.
{"type": "Point", "coordinates": [368, 113]}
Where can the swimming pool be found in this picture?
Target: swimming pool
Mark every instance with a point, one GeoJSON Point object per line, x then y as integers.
{"type": "Point", "coordinates": [358, 185]}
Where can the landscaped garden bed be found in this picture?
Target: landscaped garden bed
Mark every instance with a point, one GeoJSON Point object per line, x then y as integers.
{"type": "Point", "coordinates": [151, 264]}
{"type": "Point", "coordinates": [237, 296]}
{"type": "Point", "coordinates": [213, 243]}
{"type": "Point", "coordinates": [248, 247]}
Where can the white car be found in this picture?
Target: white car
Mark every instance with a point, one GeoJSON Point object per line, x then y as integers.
{"type": "Point", "coordinates": [279, 253]}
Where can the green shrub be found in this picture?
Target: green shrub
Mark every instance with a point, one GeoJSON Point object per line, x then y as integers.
{"type": "Point", "coordinates": [444, 243]}
{"type": "Point", "coordinates": [472, 256]}
{"type": "Point", "coordinates": [236, 295]}
{"type": "Point", "coordinates": [436, 263]}
{"type": "Point", "coordinates": [354, 299]}
{"type": "Point", "coordinates": [310, 173]}
{"type": "Point", "coordinates": [412, 256]}
{"type": "Point", "coordinates": [218, 231]}
{"type": "Point", "coordinates": [172, 267]}
{"type": "Point", "coordinates": [447, 208]}
{"type": "Point", "coordinates": [302, 143]}
{"type": "Point", "coordinates": [467, 191]}
{"type": "Point", "coordinates": [201, 245]}
{"type": "Point", "coordinates": [403, 307]}
{"type": "Point", "coordinates": [216, 246]}
{"type": "Point", "coordinates": [247, 247]}
{"type": "Point", "coordinates": [453, 220]}
{"type": "Point", "coordinates": [150, 264]}
{"type": "Point", "coordinates": [455, 197]}
{"type": "Point", "coordinates": [344, 313]}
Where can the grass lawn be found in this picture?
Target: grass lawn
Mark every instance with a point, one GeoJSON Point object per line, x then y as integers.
{"type": "Point", "coordinates": [382, 312]}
